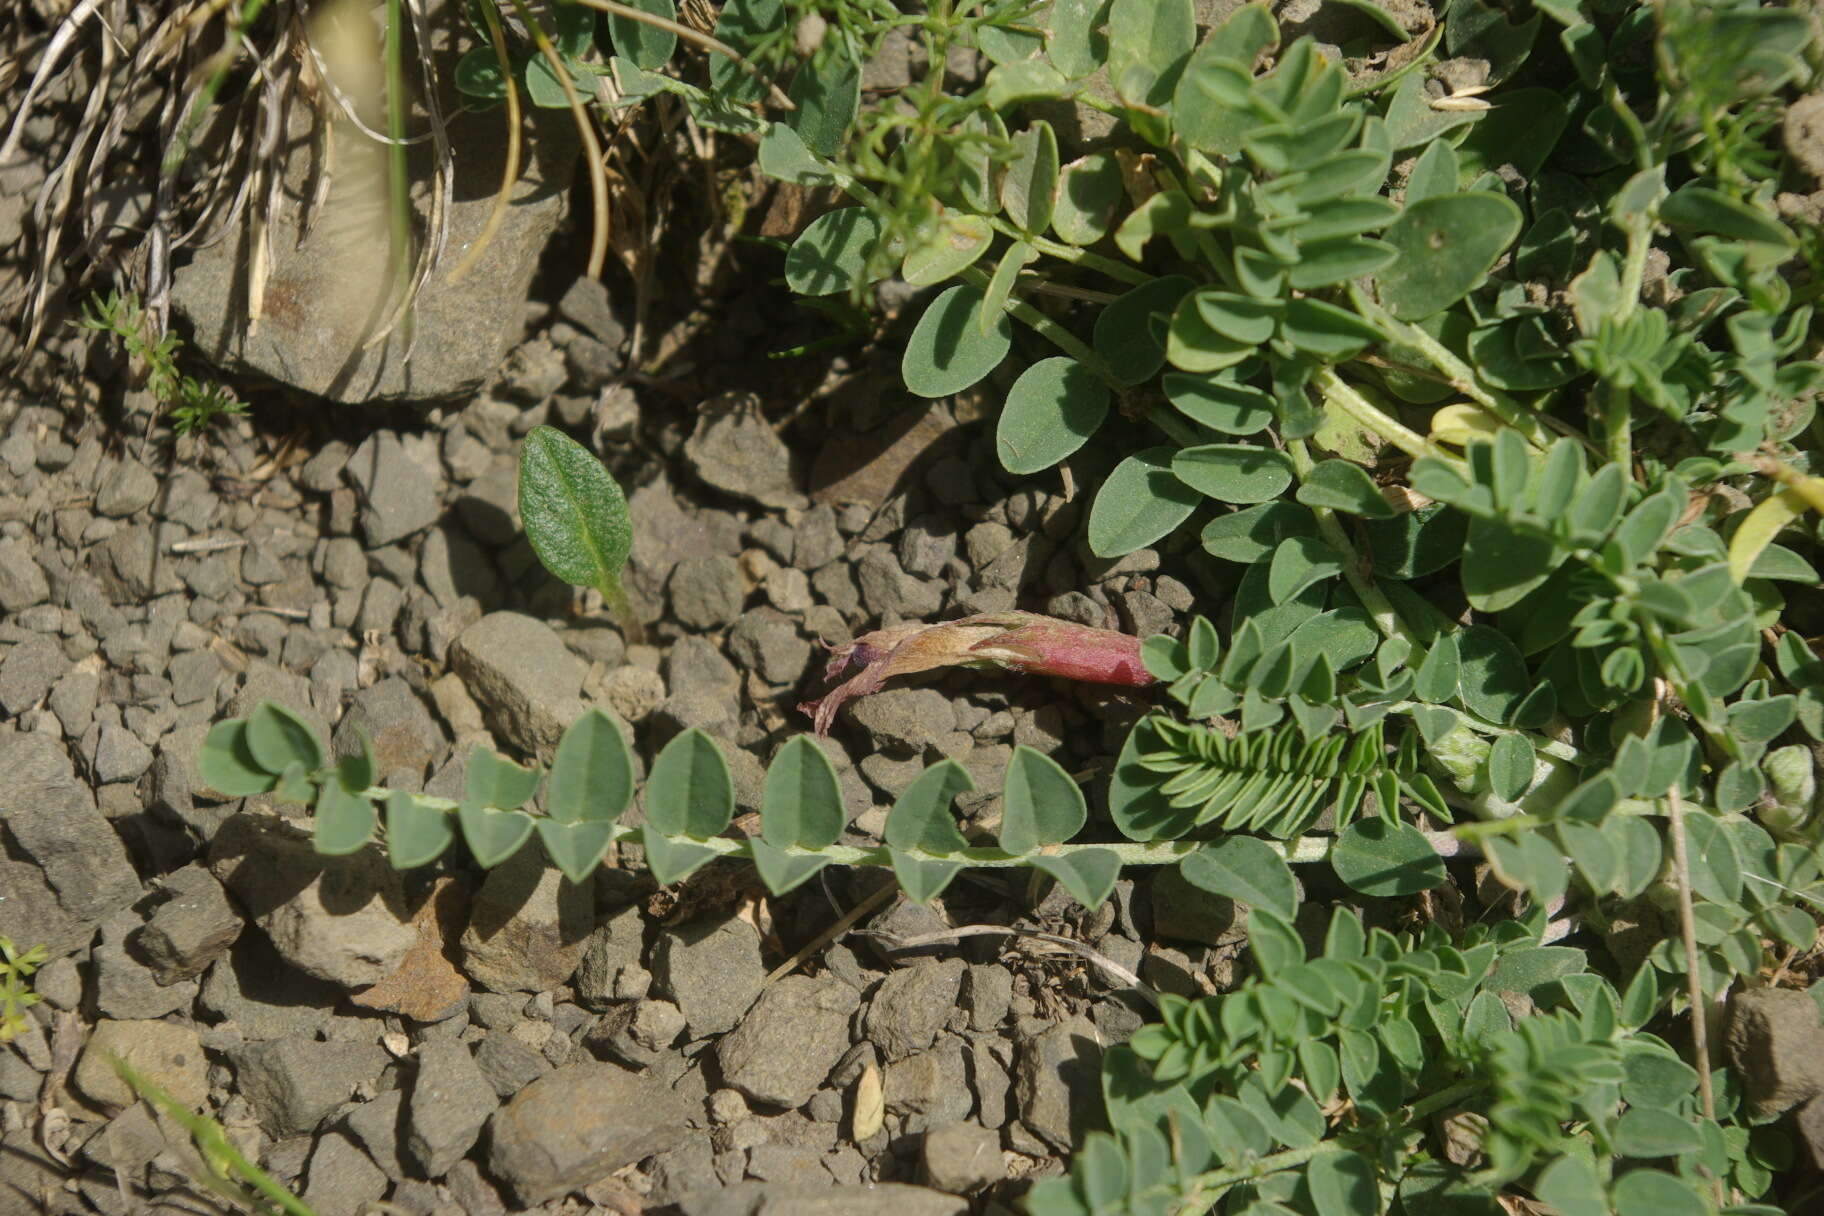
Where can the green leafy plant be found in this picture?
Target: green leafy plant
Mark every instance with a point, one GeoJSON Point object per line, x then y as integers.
{"type": "Point", "coordinates": [193, 405]}
{"type": "Point", "coordinates": [16, 995]}
{"type": "Point", "coordinates": [1503, 467]}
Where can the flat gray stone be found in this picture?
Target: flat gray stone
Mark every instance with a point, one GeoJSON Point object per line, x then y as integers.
{"type": "Point", "coordinates": [528, 927]}
{"type": "Point", "coordinates": [54, 820]}
{"type": "Point", "coordinates": [341, 919]}
{"type": "Point", "coordinates": [579, 1124]}
{"type": "Point", "coordinates": [451, 1102]}
{"type": "Point", "coordinates": [1058, 1083]}
{"type": "Point", "coordinates": [736, 450]}
{"type": "Point", "coordinates": [294, 1083]}
{"type": "Point", "coordinates": [788, 1042]}
{"type": "Point", "coordinates": [398, 485]}
{"type": "Point", "coordinates": [340, 1177]}
{"type": "Point", "coordinates": [712, 970]}
{"type": "Point", "coordinates": [912, 1004]}
{"type": "Point", "coordinates": [526, 681]}
{"type": "Point", "coordinates": [1775, 1043]}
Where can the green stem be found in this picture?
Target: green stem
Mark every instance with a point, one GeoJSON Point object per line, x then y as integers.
{"type": "Point", "coordinates": [1339, 393]}
{"type": "Point", "coordinates": [1460, 375]}
{"type": "Point", "coordinates": [1300, 850]}
{"type": "Point", "coordinates": [1618, 427]}
{"type": "Point", "coordinates": [1075, 256]}
{"type": "Point", "coordinates": [615, 597]}
{"type": "Point", "coordinates": [1380, 610]}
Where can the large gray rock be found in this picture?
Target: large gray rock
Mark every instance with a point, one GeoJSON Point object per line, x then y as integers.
{"type": "Point", "coordinates": [28, 672]}
{"type": "Point", "coordinates": [610, 969]}
{"type": "Point", "coordinates": [772, 1199]}
{"type": "Point", "coordinates": [327, 295]}
{"type": "Point", "coordinates": [53, 819]}
{"type": "Point", "coordinates": [737, 451]}
{"type": "Point", "coordinates": [912, 1004]}
{"type": "Point", "coordinates": [581, 1123]}
{"type": "Point", "coordinates": [788, 1042]}
{"type": "Point", "coordinates": [294, 1083]}
{"type": "Point", "coordinates": [396, 721]}
{"type": "Point", "coordinates": [962, 1157]}
{"type": "Point", "coordinates": [712, 970]}
{"type": "Point", "coordinates": [22, 581]}
{"type": "Point", "coordinates": [340, 1177]}
{"type": "Point", "coordinates": [525, 679]}
{"type": "Point", "coordinates": [451, 1102]}
{"type": "Point", "coordinates": [1775, 1043]}
{"type": "Point", "coordinates": [341, 919]}
{"type": "Point", "coordinates": [398, 481]}
{"type": "Point", "coordinates": [253, 987]}
{"type": "Point", "coordinates": [528, 927]}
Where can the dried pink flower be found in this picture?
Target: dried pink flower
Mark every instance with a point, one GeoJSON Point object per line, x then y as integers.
{"type": "Point", "coordinates": [1021, 641]}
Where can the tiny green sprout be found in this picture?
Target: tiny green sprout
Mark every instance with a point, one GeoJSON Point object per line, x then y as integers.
{"type": "Point", "coordinates": [194, 405]}
{"type": "Point", "coordinates": [575, 516]}
{"type": "Point", "coordinates": [16, 995]}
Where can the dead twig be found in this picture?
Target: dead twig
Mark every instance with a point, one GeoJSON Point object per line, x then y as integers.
{"type": "Point", "coordinates": [1108, 965]}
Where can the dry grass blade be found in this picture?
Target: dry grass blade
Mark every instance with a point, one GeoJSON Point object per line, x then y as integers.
{"type": "Point", "coordinates": [53, 56]}
{"type": "Point", "coordinates": [442, 186]}
{"type": "Point", "coordinates": [585, 128]}
{"type": "Point", "coordinates": [510, 173]}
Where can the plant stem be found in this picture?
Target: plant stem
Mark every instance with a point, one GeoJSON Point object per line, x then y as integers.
{"type": "Point", "coordinates": [1070, 253]}
{"type": "Point", "coordinates": [1459, 374]}
{"type": "Point", "coordinates": [399, 204]}
{"type": "Point", "coordinates": [1385, 617]}
{"type": "Point", "coordinates": [509, 173]}
{"type": "Point", "coordinates": [585, 129]}
{"type": "Point", "coordinates": [1338, 392]}
{"type": "Point", "coordinates": [1300, 850]}
{"type": "Point", "coordinates": [615, 596]}
{"type": "Point", "coordinates": [1687, 923]}
{"type": "Point", "coordinates": [1618, 427]}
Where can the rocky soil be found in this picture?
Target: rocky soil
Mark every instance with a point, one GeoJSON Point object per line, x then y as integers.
{"type": "Point", "coordinates": [453, 1041]}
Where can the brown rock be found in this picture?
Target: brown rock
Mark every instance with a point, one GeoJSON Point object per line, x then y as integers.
{"type": "Point", "coordinates": [428, 986]}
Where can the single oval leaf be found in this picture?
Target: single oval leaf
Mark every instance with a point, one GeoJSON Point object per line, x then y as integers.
{"type": "Point", "coordinates": [573, 512]}
{"type": "Point", "coordinates": [689, 792]}
{"type": "Point", "coordinates": [1051, 411]}
{"type": "Point", "coordinates": [1246, 869]}
{"type": "Point", "coordinates": [592, 773]}
{"type": "Point", "coordinates": [1384, 858]}
{"type": "Point", "coordinates": [948, 351]}
{"type": "Point", "coordinates": [1138, 503]}
{"type": "Point", "coordinates": [1446, 245]}
{"type": "Point", "coordinates": [1234, 472]}
{"type": "Point", "coordinates": [1041, 805]}
{"type": "Point", "coordinates": [801, 801]}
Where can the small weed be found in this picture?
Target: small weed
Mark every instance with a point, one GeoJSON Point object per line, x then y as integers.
{"type": "Point", "coordinates": [193, 405]}
{"type": "Point", "coordinates": [16, 995]}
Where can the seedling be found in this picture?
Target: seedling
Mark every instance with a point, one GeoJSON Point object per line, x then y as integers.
{"type": "Point", "coordinates": [193, 405]}
{"type": "Point", "coordinates": [16, 995]}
